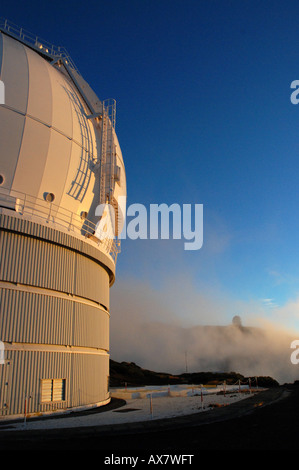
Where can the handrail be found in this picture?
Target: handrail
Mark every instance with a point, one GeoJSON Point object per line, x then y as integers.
{"type": "Point", "coordinates": [40, 45]}
{"type": "Point", "coordinates": [50, 213]}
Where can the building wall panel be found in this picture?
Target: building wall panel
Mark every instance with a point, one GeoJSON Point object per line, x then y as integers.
{"type": "Point", "coordinates": [47, 233]}
{"type": "Point", "coordinates": [27, 317]}
{"type": "Point", "coordinates": [86, 380]}
{"type": "Point", "coordinates": [54, 319]}
{"type": "Point", "coordinates": [33, 262]}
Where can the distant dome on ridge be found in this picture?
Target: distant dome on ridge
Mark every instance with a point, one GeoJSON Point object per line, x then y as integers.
{"type": "Point", "coordinates": [237, 320]}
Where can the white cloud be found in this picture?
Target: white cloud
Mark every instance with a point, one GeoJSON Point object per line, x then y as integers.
{"type": "Point", "coordinates": [154, 327]}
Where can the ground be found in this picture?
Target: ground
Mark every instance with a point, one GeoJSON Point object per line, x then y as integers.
{"type": "Point", "coordinates": [266, 422]}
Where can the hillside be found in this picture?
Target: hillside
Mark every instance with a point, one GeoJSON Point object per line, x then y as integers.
{"type": "Point", "coordinates": [131, 375]}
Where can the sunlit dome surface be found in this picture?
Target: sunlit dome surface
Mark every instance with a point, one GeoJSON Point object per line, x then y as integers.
{"type": "Point", "coordinates": [49, 143]}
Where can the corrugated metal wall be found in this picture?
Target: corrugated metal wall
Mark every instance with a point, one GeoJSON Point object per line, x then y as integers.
{"type": "Point", "coordinates": [21, 375]}
{"type": "Point", "coordinates": [33, 262]}
{"type": "Point", "coordinates": [18, 224]}
{"type": "Point", "coordinates": [54, 320]}
{"type": "Point", "coordinates": [39, 318]}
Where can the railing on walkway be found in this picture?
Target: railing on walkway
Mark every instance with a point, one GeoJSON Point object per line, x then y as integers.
{"type": "Point", "coordinates": [54, 52]}
{"type": "Point", "coordinates": [59, 217]}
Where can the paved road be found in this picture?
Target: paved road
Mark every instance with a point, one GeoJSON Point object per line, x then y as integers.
{"type": "Point", "coordinates": [266, 421]}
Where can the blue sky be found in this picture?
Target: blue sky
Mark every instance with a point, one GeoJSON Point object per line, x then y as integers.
{"type": "Point", "coordinates": [203, 116]}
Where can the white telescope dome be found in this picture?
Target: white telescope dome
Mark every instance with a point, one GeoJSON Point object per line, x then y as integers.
{"type": "Point", "coordinates": [53, 147]}
{"type": "Point", "coordinates": [60, 162]}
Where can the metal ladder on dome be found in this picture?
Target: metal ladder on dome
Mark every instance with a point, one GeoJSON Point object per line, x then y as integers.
{"type": "Point", "coordinates": [107, 151]}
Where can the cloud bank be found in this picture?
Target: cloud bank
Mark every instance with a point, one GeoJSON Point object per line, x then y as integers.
{"type": "Point", "coordinates": [152, 327]}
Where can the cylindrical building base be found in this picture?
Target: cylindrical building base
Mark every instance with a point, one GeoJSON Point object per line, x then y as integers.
{"type": "Point", "coordinates": [54, 319]}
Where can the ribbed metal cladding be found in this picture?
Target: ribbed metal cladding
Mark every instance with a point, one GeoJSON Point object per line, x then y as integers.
{"type": "Point", "coordinates": [23, 372]}
{"type": "Point", "coordinates": [39, 318]}
{"type": "Point", "coordinates": [54, 318]}
{"type": "Point", "coordinates": [34, 262]}
{"type": "Point", "coordinates": [18, 224]}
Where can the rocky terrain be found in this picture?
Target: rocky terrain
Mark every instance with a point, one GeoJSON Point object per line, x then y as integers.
{"type": "Point", "coordinates": [131, 375]}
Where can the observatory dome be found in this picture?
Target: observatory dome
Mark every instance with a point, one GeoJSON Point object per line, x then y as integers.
{"type": "Point", "coordinates": [61, 168]}
{"type": "Point", "coordinates": [50, 143]}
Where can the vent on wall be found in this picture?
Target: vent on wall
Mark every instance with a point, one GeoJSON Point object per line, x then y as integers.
{"type": "Point", "coordinates": [53, 390]}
